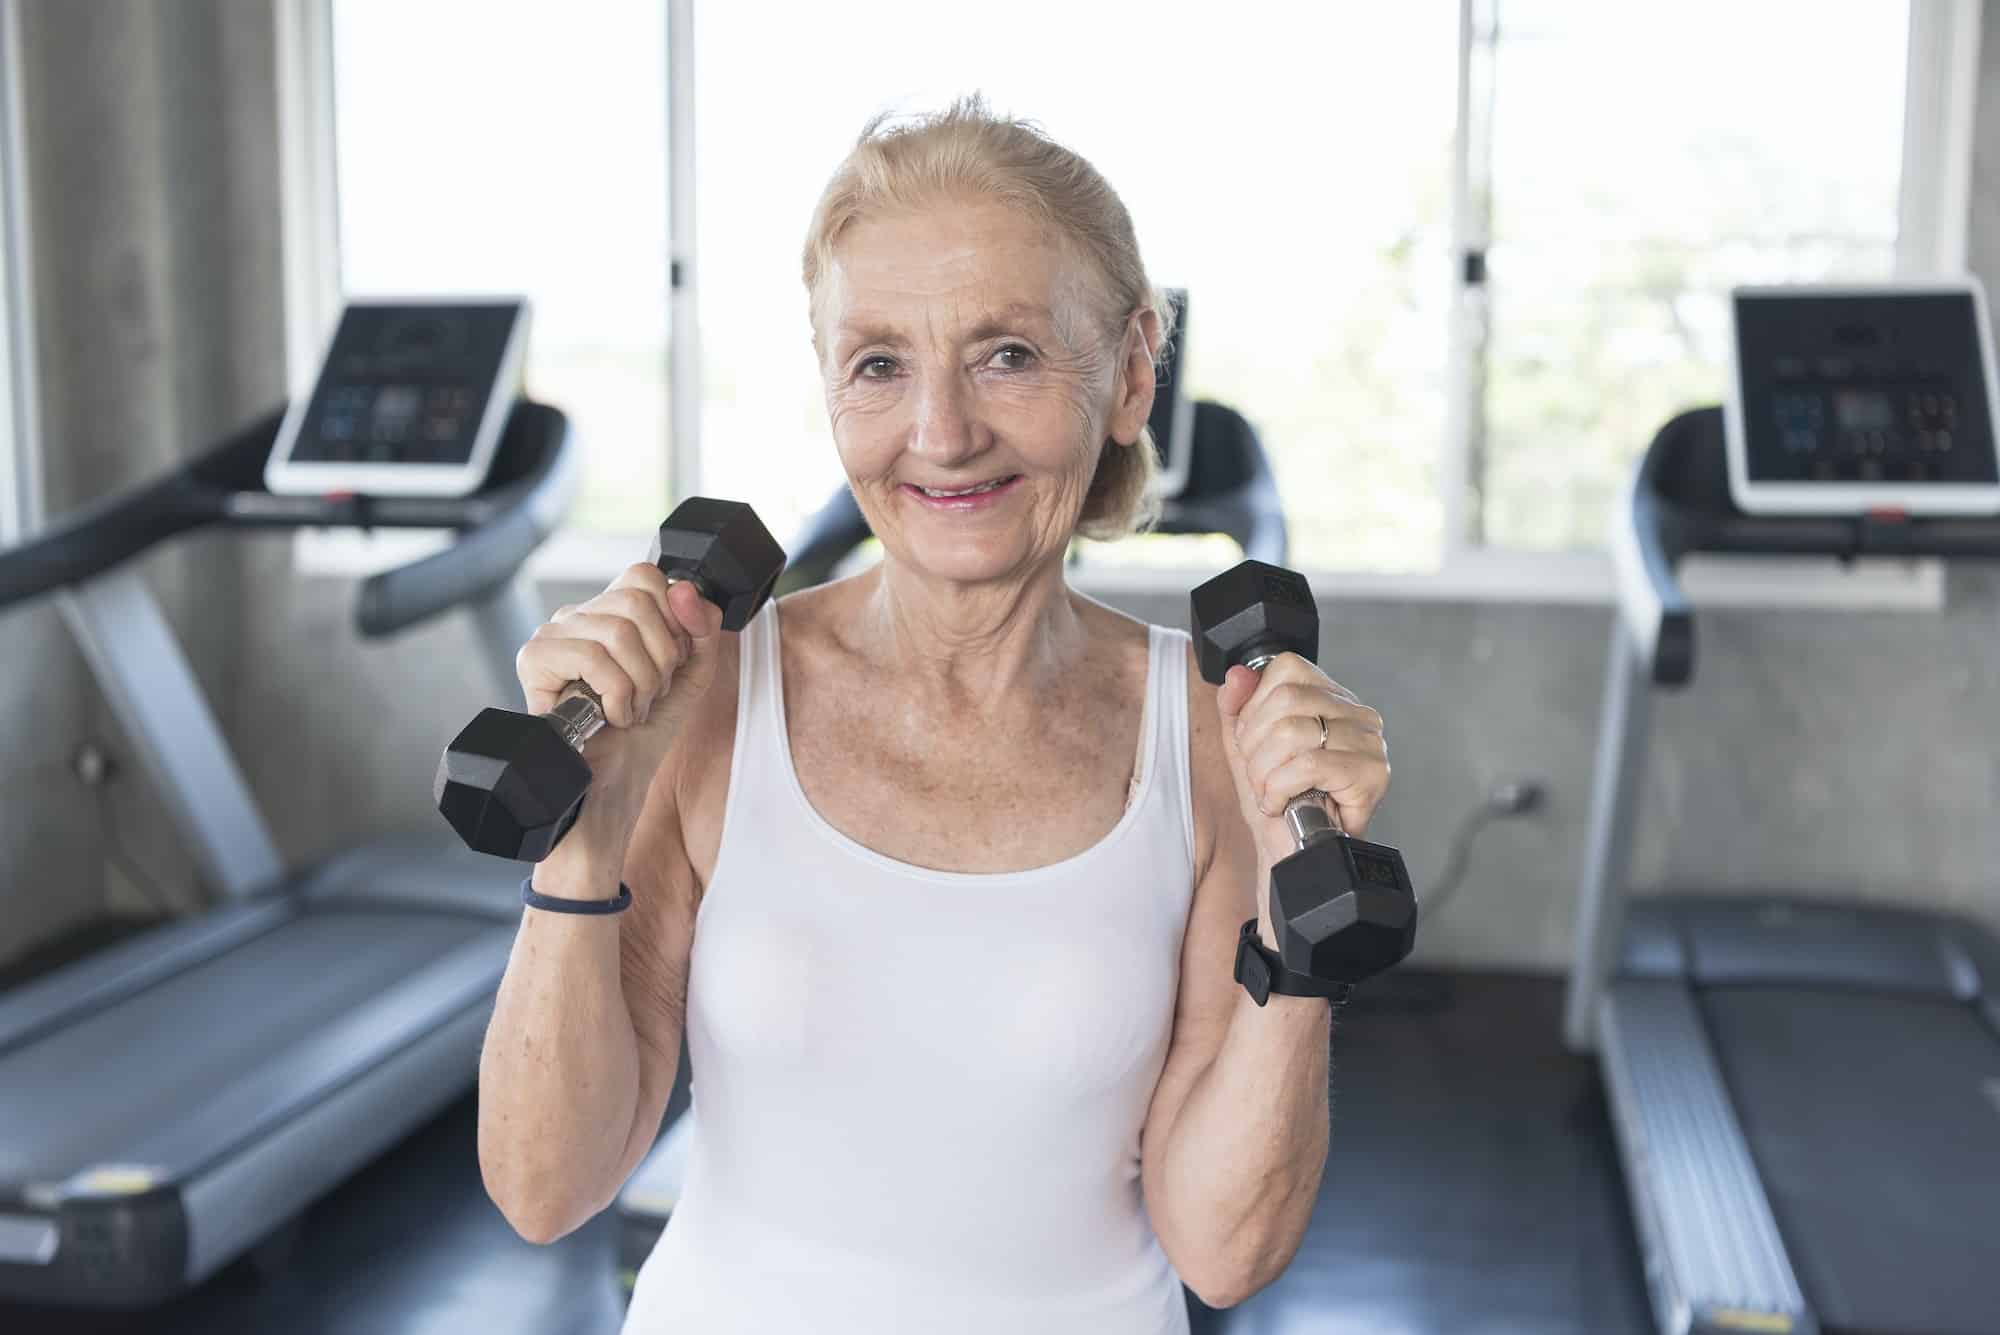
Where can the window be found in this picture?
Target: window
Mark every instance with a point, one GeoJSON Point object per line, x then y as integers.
{"type": "Point", "coordinates": [1638, 162]}
{"type": "Point", "coordinates": [1452, 345]}
{"type": "Point", "coordinates": [20, 425]}
{"type": "Point", "coordinates": [512, 146]}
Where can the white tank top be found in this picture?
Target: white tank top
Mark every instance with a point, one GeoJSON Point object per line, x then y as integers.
{"type": "Point", "coordinates": [920, 1092]}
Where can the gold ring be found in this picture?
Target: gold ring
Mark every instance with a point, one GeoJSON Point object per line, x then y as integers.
{"type": "Point", "coordinates": [1322, 730]}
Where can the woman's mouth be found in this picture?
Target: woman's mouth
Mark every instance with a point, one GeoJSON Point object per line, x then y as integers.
{"type": "Point", "coordinates": [977, 496]}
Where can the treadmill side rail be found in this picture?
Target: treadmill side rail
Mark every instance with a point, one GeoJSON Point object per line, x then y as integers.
{"type": "Point", "coordinates": [150, 686]}
{"type": "Point", "coordinates": [1617, 780]}
{"type": "Point", "coordinates": [1714, 1261]}
{"type": "Point", "coordinates": [506, 619]}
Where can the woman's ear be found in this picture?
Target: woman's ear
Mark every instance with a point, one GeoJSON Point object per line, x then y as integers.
{"type": "Point", "coordinates": [1138, 353]}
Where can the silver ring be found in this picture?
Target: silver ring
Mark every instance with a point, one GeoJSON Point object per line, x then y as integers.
{"type": "Point", "coordinates": [1322, 730]}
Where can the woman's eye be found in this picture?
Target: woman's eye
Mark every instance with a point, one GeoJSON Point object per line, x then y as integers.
{"type": "Point", "coordinates": [876, 368]}
{"type": "Point", "coordinates": [1013, 357]}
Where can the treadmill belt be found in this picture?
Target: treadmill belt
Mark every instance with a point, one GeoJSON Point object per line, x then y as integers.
{"type": "Point", "coordinates": [112, 1085]}
{"type": "Point", "coordinates": [1879, 1149]}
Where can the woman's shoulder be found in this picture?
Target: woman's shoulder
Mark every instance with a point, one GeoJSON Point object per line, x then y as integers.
{"type": "Point", "coordinates": [805, 610]}
{"type": "Point", "coordinates": [1113, 628]}
{"type": "Point", "coordinates": [1212, 793]}
{"type": "Point", "coordinates": [817, 624]}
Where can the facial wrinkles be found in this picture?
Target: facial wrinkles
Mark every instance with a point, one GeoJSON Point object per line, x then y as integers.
{"type": "Point", "coordinates": [954, 292]}
{"type": "Point", "coordinates": [934, 294]}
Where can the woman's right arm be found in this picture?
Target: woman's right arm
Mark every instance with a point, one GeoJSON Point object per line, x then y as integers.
{"type": "Point", "coordinates": [582, 1050]}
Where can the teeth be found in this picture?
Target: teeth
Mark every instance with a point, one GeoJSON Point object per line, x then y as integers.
{"type": "Point", "coordinates": [969, 491]}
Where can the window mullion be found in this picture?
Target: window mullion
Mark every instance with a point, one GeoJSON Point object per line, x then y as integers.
{"type": "Point", "coordinates": [684, 330]}
{"type": "Point", "coordinates": [1939, 92]}
{"type": "Point", "coordinates": [308, 184]}
{"type": "Point", "coordinates": [1461, 473]}
{"type": "Point", "coordinates": [20, 423]}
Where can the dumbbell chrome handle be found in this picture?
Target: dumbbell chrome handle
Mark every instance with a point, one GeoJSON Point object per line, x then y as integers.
{"type": "Point", "coordinates": [579, 715]}
{"type": "Point", "coordinates": [1308, 819]}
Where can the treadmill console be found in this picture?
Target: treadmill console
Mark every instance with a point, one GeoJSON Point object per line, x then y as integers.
{"type": "Point", "coordinates": [1849, 400]}
{"type": "Point", "coordinates": [411, 400]}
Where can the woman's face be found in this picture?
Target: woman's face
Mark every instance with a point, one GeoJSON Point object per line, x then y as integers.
{"type": "Point", "coordinates": [970, 388]}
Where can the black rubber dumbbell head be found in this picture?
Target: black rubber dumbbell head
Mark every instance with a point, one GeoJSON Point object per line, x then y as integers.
{"type": "Point", "coordinates": [510, 784]}
{"type": "Point", "coordinates": [1250, 609]}
{"type": "Point", "coordinates": [1343, 909]}
{"type": "Point", "coordinates": [725, 550]}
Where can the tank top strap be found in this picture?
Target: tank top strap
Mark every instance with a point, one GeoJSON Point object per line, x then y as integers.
{"type": "Point", "coordinates": [759, 737]}
{"type": "Point", "coordinates": [1167, 707]}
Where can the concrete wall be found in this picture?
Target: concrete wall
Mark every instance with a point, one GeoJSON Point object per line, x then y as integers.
{"type": "Point", "coordinates": [152, 174]}
{"type": "Point", "coordinates": [1849, 752]}
{"type": "Point", "coordinates": [1853, 752]}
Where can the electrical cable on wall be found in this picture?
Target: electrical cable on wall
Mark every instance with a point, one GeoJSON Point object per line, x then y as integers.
{"type": "Point", "coordinates": [1509, 799]}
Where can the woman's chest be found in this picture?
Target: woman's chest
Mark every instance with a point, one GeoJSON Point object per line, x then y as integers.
{"type": "Point", "coordinates": [1009, 992]}
{"type": "Point", "coordinates": [966, 795]}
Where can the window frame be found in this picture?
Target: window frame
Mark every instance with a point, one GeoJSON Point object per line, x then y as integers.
{"type": "Point", "coordinates": [1940, 86]}
{"type": "Point", "coordinates": [21, 486]}
{"type": "Point", "coordinates": [1941, 83]}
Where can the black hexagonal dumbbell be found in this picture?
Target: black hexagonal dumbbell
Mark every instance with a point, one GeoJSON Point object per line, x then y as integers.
{"type": "Point", "coordinates": [1343, 908]}
{"type": "Point", "coordinates": [511, 784]}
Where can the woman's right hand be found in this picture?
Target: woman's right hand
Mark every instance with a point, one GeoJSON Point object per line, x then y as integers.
{"type": "Point", "coordinates": [648, 649]}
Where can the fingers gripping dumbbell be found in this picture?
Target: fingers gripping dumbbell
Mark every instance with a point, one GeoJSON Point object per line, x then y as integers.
{"type": "Point", "coordinates": [1343, 908]}
{"type": "Point", "coordinates": [511, 784]}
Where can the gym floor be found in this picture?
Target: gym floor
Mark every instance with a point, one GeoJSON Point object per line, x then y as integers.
{"type": "Point", "coordinates": [1473, 1189]}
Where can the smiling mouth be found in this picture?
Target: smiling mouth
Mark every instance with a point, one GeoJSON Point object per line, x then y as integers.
{"type": "Point", "coordinates": [978, 490]}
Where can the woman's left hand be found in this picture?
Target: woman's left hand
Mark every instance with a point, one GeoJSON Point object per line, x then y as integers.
{"type": "Point", "coordinates": [1272, 735]}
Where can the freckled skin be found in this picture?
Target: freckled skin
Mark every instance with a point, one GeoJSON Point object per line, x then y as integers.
{"type": "Point", "coordinates": [943, 778]}
{"type": "Point", "coordinates": [958, 707]}
{"type": "Point", "coordinates": [956, 346]}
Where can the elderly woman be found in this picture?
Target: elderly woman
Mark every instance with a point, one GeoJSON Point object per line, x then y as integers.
{"type": "Point", "coordinates": [938, 869]}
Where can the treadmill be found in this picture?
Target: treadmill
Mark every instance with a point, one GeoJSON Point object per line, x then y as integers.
{"type": "Point", "coordinates": [1806, 1093]}
{"type": "Point", "coordinates": [171, 1101]}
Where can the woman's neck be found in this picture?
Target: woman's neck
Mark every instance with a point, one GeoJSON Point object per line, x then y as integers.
{"type": "Point", "coordinates": [979, 640]}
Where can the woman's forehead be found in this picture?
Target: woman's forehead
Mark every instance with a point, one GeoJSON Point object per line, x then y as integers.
{"type": "Point", "coordinates": [959, 266]}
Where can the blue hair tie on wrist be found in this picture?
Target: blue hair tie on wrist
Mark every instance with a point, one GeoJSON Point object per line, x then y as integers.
{"type": "Point", "coordinates": [588, 907]}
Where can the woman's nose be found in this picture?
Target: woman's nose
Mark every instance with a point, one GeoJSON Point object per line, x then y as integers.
{"type": "Point", "coordinates": [945, 428]}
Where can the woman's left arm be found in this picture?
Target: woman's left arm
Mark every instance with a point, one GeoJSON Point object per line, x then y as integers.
{"type": "Point", "coordinates": [1236, 1138]}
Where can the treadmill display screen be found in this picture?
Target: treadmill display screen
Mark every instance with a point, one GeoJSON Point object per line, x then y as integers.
{"type": "Point", "coordinates": [406, 384]}
{"type": "Point", "coordinates": [1864, 387]}
{"type": "Point", "coordinates": [1863, 410]}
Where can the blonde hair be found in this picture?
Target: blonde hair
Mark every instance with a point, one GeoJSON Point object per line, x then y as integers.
{"type": "Point", "coordinates": [967, 151]}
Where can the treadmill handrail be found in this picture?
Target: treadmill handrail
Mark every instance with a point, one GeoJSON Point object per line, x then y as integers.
{"type": "Point", "coordinates": [1651, 601]}
{"type": "Point", "coordinates": [1678, 503]}
{"type": "Point", "coordinates": [534, 477]}
{"type": "Point", "coordinates": [485, 557]}
{"type": "Point", "coordinates": [109, 531]}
